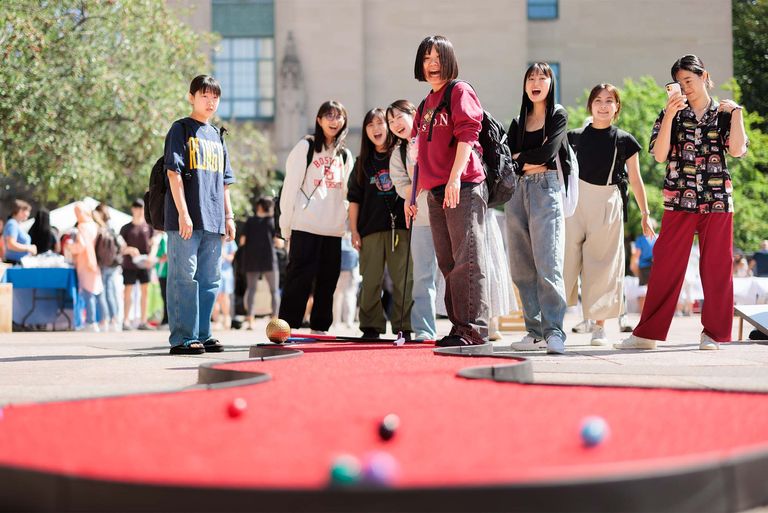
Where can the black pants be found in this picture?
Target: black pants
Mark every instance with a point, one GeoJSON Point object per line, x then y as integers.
{"type": "Point", "coordinates": [313, 259]}
{"type": "Point", "coordinates": [163, 289]}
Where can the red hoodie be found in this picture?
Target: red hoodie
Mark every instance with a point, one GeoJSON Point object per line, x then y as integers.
{"type": "Point", "coordinates": [436, 157]}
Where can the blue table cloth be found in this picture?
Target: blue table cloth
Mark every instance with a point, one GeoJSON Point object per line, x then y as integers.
{"type": "Point", "coordinates": [42, 295]}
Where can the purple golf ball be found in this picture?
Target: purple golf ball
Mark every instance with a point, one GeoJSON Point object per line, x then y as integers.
{"type": "Point", "coordinates": [380, 469]}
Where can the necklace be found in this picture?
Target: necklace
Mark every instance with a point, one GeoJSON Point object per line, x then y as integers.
{"type": "Point", "coordinates": [379, 158]}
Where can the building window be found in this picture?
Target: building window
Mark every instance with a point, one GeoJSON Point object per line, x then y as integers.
{"type": "Point", "coordinates": [542, 9]}
{"type": "Point", "coordinates": [245, 66]}
{"type": "Point", "coordinates": [244, 62]}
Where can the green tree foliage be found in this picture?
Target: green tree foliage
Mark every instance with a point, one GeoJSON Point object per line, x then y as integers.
{"type": "Point", "coordinates": [253, 162]}
{"type": "Point", "coordinates": [750, 53]}
{"type": "Point", "coordinates": [90, 88]}
{"type": "Point", "coordinates": [641, 103]}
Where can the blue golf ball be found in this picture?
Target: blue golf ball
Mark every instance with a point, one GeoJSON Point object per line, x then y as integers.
{"type": "Point", "coordinates": [594, 430]}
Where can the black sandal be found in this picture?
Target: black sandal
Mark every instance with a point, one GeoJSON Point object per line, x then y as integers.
{"type": "Point", "coordinates": [189, 348]}
{"type": "Point", "coordinates": [212, 345]}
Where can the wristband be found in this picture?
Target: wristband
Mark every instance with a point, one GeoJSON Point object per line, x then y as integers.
{"type": "Point", "coordinates": [230, 216]}
{"type": "Point", "coordinates": [738, 107]}
{"type": "Point", "coordinates": [645, 212]}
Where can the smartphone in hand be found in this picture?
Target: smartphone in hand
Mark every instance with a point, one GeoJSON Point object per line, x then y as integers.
{"type": "Point", "coordinates": [672, 88]}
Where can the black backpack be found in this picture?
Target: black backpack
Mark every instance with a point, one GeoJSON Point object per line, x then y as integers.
{"type": "Point", "coordinates": [310, 153]}
{"type": "Point", "coordinates": [500, 167]}
{"type": "Point", "coordinates": [154, 197]}
{"type": "Point", "coordinates": [107, 248]}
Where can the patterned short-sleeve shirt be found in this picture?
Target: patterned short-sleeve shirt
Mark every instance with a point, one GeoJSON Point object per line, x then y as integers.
{"type": "Point", "coordinates": [697, 177]}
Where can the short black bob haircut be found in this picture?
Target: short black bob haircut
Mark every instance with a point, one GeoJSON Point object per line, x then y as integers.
{"type": "Point", "coordinates": [205, 84]}
{"type": "Point", "coordinates": [449, 66]}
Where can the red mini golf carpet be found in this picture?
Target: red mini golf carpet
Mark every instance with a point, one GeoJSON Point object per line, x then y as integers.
{"type": "Point", "coordinates": [454, 432]}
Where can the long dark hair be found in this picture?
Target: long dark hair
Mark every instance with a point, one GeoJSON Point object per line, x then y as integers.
{"type": "Point", "coordinates": [331, 106]}
{"type": "Point", "coordinates": [367, 148]}
{"type": "Point", "coordinates": [526, 105]}
{"type": "Point", "coordinates": [40, 232]}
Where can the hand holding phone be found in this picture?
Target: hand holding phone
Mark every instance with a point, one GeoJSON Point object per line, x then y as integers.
{"type": "Point", "coordinates": [672, 88]}
{"type": "Point", "coordinates": [676, 99]}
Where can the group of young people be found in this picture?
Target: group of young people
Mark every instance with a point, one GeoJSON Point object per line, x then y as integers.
{"type": "Point", "coordinates": [416, 199]}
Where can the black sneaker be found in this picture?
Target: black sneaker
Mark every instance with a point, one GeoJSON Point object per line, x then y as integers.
{"type": "Point", "coordinates": [455, 340]}
{"type": "Point", "coordinates": [370, 333]}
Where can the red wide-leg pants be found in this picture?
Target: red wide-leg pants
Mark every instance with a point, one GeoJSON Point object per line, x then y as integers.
{"type": "Point", "coordinates": [670, 259]}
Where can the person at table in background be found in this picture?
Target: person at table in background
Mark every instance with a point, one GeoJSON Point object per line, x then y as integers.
{"type": "Point", "coordinates": [2, 243]}
{"type": "Point", "coordinates": [42, 234]}
{"type": "Point", "coordinates": [110, 265]}
{"type": "Point", "coordinates": [741, 266]}
{"type": "Point", "coordinates": [693, 134]}
{"type": "Point", "coordinates": [83, 248]}
{"type": "Point", "coordinates": [642, 260]}
{"type": "Point", "coordinates": [138, 239]}
{"type": "Point", "coordinates": [161, 269]}
{"type": "Point", "coordinates": [222, 311]}
{"type": "Point", "coordinates": [759, 262]}
{"type": "Point", "coordinates": [18, 243]}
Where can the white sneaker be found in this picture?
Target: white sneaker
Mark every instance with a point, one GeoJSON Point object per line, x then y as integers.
{"type": "Point", "coordinates": [93, 328]}
{"type": "Point", "coordinates": [598, 336]}
{"type": "Point", "coordinates": [555, 344]}
{"type": "Point", "coordinates": [116, 326]}
{"type": "Point", "coordinates": [707, 343]}
{"type": "Point", "coordinates": [528, 343]}
{"type": "Point", "coordinates": [494, 336]}
{"type": "Point", "coordinates": [318, 332]}
{"type": "Point", "coordinates": [635, 342]}
{"type": "Point", "coordinates": [585, 326]}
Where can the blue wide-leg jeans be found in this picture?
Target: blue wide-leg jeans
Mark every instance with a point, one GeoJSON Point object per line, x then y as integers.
{"type": "Point", "coordinates": [194, 275]}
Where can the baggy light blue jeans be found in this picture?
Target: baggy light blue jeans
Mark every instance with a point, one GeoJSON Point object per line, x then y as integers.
{"type": "Point", "coordinates": [536, 230]}
{"type": "Point", "coordinates": [110, 292]}
{"type": "Point", "coordinates": [95, 306]}
{"type": "Point", "coordinates": [194, 276]}
{"type": "Point", "coordinates": [459, 238]}
{"type": "Point", "coordinates": [424, 290]}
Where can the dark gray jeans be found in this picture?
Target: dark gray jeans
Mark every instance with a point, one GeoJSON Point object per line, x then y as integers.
{"type": "Point", "coordinates": [459, 237]}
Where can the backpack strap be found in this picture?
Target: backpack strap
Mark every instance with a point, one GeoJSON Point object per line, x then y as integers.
{"type": "Point", "coordinates": [445, 103]}
{"type": "Point", "coordinates": [404, 154]}
{"type": "Point", "coordinates": [310, 152]}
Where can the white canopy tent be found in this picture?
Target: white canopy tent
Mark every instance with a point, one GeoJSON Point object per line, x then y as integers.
{"type": "Point", "coordinates": [63, 218]}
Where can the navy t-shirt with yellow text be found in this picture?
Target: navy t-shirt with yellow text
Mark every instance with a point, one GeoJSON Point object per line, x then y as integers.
{"type": "Point", "coordinates": [196, 151]}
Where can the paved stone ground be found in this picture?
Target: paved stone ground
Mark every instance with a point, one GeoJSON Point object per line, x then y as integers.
{"type": "Point", "coordinates": [46, 366]}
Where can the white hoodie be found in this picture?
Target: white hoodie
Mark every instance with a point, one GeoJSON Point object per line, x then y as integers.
{"type": "Point", "coordinates": [314, 198]}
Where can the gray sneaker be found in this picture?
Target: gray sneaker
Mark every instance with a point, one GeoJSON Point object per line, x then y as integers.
{"type": "Point", "coordinates": [555, 344]}
{"type": "Point", "coordinates": [528, 343]}
{"type": "Point", "coordinates": [598, 336]}
{"type": "Point", "coordinates": [585, 326]}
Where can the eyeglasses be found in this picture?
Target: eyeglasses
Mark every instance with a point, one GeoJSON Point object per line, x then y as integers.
{"type": "Point", "coordinates": [332, 116]}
